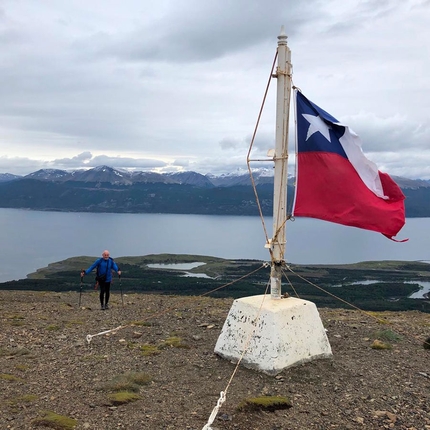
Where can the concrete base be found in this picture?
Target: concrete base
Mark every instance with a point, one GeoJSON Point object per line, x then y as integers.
{"type": "Point", "coordinates": [288, 332]}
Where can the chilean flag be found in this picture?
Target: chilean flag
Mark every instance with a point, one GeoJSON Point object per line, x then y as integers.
{"type": "Point", "coordinates": [336, 182]}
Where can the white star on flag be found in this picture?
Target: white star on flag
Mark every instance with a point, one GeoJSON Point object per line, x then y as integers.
{"type": "Point", "coordinates": [317, 124]}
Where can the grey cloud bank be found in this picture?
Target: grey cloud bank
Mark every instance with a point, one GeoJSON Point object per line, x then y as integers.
{"type": "Point", "coordinates": [178, 85]}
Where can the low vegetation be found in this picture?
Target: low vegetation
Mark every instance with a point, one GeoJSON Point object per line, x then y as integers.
{"type": "Point", "coordinates": [264, 403]}
{"type": "Point", "coordinates": [148, 350]}
{"type": "Point", "coordinates": [333, 286]}
{"type": "Point", "coordinates": [387, 335]}
{"type": "Point", "coordinates": [13, 352]}
{"type": "Point", "coordinates": [124, 388]}
{"type": "Point", "coordinates": [173, 341]}
{"type": "Point", "coordinates": [9, 377]}
{"type": "Point", "coordinates": [378, 344]}
{"type": "Point", "coordinates": [55, 421]}
{"type": "Point", "coordinates": [123, 397]}
{"type": "Point", "coordinates": [130, 381]}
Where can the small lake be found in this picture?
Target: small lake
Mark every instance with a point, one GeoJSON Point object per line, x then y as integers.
{"type": "Point", "coordinates": [421, 294]}
{"type": "Point", "coordinates": [177, 266]}
{"type": "Point", "coordinates": [182, 267]}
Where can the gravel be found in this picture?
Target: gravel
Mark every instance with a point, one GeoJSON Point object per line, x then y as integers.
{"type": "Point", "coordinates": [47, 364]}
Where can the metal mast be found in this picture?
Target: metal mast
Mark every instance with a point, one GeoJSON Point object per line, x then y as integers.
{"type": "Point", "coordinates": [278, 242]}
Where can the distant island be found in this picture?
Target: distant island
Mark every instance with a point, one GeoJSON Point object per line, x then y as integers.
{"type": "Point", "coordinates": [375, 286]}
{"type": "Point", "coordinates": [106, 189]}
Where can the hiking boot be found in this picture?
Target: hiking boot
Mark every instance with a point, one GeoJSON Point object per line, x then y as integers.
{"type": "Point", "coordinates": [106, 306]}
{"type": "Point", "coordinates": [103, 308]}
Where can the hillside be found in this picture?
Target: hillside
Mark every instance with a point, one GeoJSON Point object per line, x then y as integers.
{"type": "Point", "coordinates": [105, 189]}
{"type": "Point", "coordinates": [162, 357]}
{"type": "Point", "coordinates": [373, 286]}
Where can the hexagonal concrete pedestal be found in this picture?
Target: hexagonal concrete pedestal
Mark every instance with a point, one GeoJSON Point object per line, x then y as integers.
{"type": "Point", "coordinates": [288, 332]}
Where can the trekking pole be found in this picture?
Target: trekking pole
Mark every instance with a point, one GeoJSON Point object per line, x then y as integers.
{"type": "Point", "coordinates": [120, 287]}
{"type": "Point", "coordinates": [80, 292]}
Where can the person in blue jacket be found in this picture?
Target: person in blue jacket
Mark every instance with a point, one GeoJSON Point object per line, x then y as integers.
{"type": "Point", "coordinates": [104, 266]}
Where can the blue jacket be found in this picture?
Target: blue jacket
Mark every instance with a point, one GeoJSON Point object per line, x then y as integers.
{"type": "Point", "coordinates": [103, 266]}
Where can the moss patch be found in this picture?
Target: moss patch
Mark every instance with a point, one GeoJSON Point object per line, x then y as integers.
{"type": "Point", "coordinates": [148, 350]}
{"type": "Point", "coordinates": [9, 377]}
{"type": "Point", "coordinates": [123, 397]}
{"type": "Point", "coordinates": [13, 352]}
{"type": "Point", "coordinates": [19, 400]}
{"type": "Point", "coordinates": [22, 367]}
{"type": "Point", "coordinates": [264, 403]}
{"type": "Point", "coordinates": [173, 341]}
{"type": "Point", "coordinates": [55, 421]}
{"type": "Point", "coordinates": [387, 335]}
{"type": "Point", "coordinates": [378, 344]}
{"type": "Point", "coordinates": [141, 323]}
{"type": "Point", "coordinates": [130, 382]}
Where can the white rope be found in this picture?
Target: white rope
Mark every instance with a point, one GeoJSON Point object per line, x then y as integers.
{"type": "Point", "coordinates": [222, 397]}
{"type": "Point", "coordinates": [90, 336]}
{"type": "Point", "coordinates": [215, 410]}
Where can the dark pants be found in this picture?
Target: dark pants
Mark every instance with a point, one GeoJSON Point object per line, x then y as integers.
{"type": "Point", "coordinates": [104, 292]}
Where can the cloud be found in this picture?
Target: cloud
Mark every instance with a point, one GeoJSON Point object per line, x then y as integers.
{"type": "Point", "coordinates": [195, 31]}
{"type": "Point", "coordinates": [178, 85]}
{"type": "Point", "coordinates": [21, 165]}
{"type": "Point", "coordinates": [87, 160]}
{"type": "Point", "coordinates": [389, 134]}
{"type": "Point", "coordinates": [231, 143]}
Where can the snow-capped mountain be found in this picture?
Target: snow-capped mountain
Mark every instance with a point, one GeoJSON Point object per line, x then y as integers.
{"type": "Point", "coordinates": [48, 174]}
{"type": "Point", "coordinates": [114, 176]}
{"type": "Point", "coordinates": [5, 177]}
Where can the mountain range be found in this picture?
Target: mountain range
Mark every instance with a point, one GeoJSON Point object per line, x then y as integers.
{"type": "Point", "coordinates": [106, 174]}
{"type": "Point", "coordinates": [107, 189]}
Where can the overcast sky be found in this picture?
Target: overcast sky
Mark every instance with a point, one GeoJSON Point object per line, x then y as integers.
{"type": "Point", "coordinates": [177, 84]}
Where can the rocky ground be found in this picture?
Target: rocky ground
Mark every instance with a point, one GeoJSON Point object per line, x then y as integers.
{"type": "Point", "coordinates": [166, 344]}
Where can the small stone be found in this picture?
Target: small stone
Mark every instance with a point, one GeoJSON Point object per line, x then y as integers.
{"type": "Point", "coordinates": [225, 417]}
{"type": "Point", "coordinates": [392, 417]}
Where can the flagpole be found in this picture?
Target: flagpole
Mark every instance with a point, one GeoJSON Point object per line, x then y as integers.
{"type": "Point", "coordinates": [271, 335]}
{"type": "Point", "coordinates": [278, 242]}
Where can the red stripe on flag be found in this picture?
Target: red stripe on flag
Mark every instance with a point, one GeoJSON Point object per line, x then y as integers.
{"type": "Point", "coordinates": [329, 188]}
